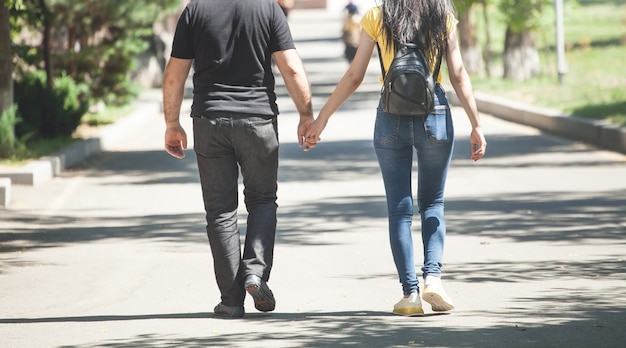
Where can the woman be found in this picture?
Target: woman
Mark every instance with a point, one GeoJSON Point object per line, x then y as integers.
{"type": "Point", "coordinates": [395, 137]}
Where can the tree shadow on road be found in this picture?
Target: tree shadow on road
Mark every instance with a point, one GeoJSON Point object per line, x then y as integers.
{"type": "Point", "coordinates": [581, 318]}
{"type": "Point", "coordinates": [358, 329]}
{"type": "Point", "coordinates": [527, 216]}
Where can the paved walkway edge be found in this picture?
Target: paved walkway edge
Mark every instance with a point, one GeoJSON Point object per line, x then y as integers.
{"type": "Point", "coordinates": [48, 167]}
{"type": "Point", "coordinates": [598, 133]}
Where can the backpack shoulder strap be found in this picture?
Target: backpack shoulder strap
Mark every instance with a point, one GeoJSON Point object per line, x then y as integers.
{"type": "Point", "coordinates": [438, 66]}
{"type": "Point", "coordinates": [380, 59]}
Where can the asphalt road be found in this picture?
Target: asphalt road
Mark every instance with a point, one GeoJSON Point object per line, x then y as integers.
{"type": "Point", "coordinates": [113, 253]}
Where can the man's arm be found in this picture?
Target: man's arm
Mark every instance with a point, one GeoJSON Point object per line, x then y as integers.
{"type": "Point", "coordinates": [297, 83]}
{"type": "Point", "coordinates": [174, 79]}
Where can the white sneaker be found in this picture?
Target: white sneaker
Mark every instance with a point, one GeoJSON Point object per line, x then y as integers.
{"type": "Point", "coordinates": [409, 306]}
{"type": "Point", "coordinates": [436, 295]}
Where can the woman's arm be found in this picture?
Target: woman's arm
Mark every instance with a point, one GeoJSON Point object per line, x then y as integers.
{"type": "Point", "coordinates": [350, 81]}
{"type": "Point", "coordinates": [463, 87]}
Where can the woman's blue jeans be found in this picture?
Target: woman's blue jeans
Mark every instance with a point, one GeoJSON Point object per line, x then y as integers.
{"type": "Point", "coordinates": [432, 137]}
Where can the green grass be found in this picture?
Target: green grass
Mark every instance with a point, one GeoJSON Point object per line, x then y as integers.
{"type": "Point", "coordinates": [35, 149]}
{"type": "Point", "coordinates": [597, 23]}
{"type": "Point", "coordinates": [595, 83]}
{"type": "Point", "coordinates": [108, 116]}
{"type": "Point", "coordinates": [30, 149]}
{"type": "Point", "coordinates": [588, 90]}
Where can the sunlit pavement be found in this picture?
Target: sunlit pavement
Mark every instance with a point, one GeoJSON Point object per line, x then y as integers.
{"type": "Point", "coordinates": [114, 254]}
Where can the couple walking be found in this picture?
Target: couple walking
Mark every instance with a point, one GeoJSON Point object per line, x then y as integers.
{"type": "Point", "coordinates": [231, 44]}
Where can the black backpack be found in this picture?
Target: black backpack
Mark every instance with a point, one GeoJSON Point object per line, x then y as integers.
{"type": "Point", "coordinates": [409, 85]}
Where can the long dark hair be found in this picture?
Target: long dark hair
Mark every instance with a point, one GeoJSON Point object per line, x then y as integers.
{"type": "Point", "coordinates": [401, 19]}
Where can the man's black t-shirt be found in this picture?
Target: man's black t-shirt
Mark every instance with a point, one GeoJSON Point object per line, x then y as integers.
{"type": "Point", "coordinates": [231, 43]}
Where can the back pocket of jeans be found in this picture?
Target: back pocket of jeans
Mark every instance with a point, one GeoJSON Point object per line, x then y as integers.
{"type": "Point", "coordinates": [437, 124]}
{"type": "Point", "coordinates": [386, 128]}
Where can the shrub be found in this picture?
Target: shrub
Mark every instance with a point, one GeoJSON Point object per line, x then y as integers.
{"type": "Point", "coordinates": [49, 113]}
{"type": "Point", "coordinates": [8, 119]}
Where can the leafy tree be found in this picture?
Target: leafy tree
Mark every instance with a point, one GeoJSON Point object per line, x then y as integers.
{"type": "Point", "coordinates": [470, 50]}
{"type": "Point", "coordinates": [6, 68]}
{"type": "Point", "coordinates": [488, 52]}
{"type": "Point", "coordinates": [93, 41]}
{"type": "Point", "coordinates": [8, 111]}
{"type": "Point", "coordinates": [77, 43]}
{"type": "Point", "coordinates": [520, 56]}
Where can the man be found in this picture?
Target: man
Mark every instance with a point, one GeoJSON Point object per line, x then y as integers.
{"type": "Point", "coordinates": [231, 44]}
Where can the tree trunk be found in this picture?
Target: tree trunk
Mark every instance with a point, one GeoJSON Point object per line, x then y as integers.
{"type": "Point", "coordinates": [72, 67]}
{"type": "Point", "coordinates": [521, 59]}
{"type": "Point", "coordinates": [470, 51]}
{"type": "Point", "coordinates": [47, 57]}
{"type": "Point", "coordinates": [487, 51]}
{"type": "Point", "coordinates": [6, 67]}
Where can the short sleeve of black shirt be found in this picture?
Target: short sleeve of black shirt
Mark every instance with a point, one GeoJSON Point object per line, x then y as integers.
{"type": "Point", "coordinates": [231, 43]}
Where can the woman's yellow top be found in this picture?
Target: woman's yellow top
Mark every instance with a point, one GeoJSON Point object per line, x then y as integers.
{"type": "Point", "coordinates": [372, 23]}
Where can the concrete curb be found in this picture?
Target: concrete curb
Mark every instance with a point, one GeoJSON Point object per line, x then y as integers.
{"type": "Point", "coordinates": [598, 133]}
{"type": "Point", "coordinates": [5, 192]}
{"type": "Point", "coordinates": [48, 167]}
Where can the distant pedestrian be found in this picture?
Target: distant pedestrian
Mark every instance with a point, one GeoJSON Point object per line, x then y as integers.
{"type": "Point", "coordinates": [235, 126]}
{"type": "Point", "coordinates": [396, 137]}
{"type": "Point", "coordinates": [351, 7]}
{"type": "Point", "coordinates": [351, 31]}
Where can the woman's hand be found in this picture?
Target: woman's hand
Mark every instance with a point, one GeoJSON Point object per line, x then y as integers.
{"type": "Point", "coordinates": [312, 135]}
{"type": "Point", "coordinates": [479, 144]}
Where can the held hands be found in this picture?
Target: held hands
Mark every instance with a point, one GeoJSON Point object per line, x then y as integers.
{"type": "Point", "coordinates": [313, 131]}
{"type": "Point", "coordinates": [479, 144]}
{"type": "Point", "coordinates": [175, 141]}
{"type": "Point", "coordinates": [303, 126]}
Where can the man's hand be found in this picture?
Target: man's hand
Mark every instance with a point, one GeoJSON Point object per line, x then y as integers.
{"type": "Point", "coordinates": [312, 135]}
{"type": "Point", "coordinates": [303, 127]}
{"type": "Point", "coordinates": [175, 141]}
